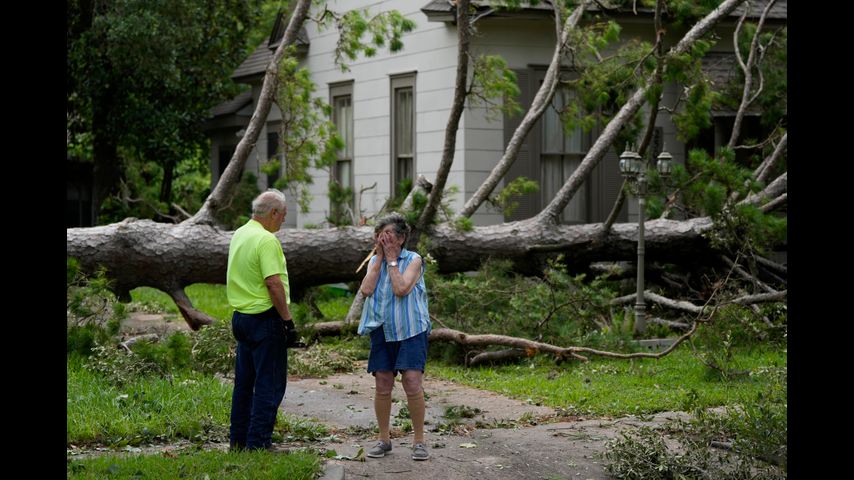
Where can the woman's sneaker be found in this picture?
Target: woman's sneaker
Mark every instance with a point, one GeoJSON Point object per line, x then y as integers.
{"type": "Point", "coordinates": [419, 452]}
{"type": "Point", "coordinates": [380, 449]}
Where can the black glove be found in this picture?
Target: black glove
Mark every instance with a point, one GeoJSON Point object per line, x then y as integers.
{"type": "Point", "coordinates": [291, 336]}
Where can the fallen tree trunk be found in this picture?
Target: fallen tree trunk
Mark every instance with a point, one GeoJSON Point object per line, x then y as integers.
{"type": "Point", "coordinates": [169, 257]}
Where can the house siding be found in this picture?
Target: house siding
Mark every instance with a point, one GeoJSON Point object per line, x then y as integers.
{"type": "Point", "coordinates": [430, 55]}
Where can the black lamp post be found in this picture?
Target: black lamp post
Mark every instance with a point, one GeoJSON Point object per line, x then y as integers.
{"type": "Point", "coordinates": [633, 169]}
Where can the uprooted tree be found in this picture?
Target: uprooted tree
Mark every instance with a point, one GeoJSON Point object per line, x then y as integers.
{"type": "Point", "coordinates": [726, 209]}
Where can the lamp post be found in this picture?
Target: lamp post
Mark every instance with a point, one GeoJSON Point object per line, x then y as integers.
{"type": "Point", "coordinates": [633, 169]}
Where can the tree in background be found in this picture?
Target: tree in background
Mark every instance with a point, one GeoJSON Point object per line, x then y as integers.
{"type": "Point", "coordinates": [141, 77]}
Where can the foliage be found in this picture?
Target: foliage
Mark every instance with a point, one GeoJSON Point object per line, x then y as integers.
{"type": "Point", "coordinates": [320, 361]}
{"type": "Point", "coordinates": [707, 185]}
{"type": "Point", "coordinates": [734, 327]}
{"type": "Point", "coordinates": [214, 348]}
{"type": "Point", "coordinates": [307, 136]}
{"type": "Point", "coordinates": [120, 367]}
{"type": "Point", "coordinates": [292, 428]}
{"type": "Point", "coordinates": [756, 432]}
{"type": "Point", "coordinates": [93, 314]}
{"type": "Point", "coordinates": [132, 93]}
{"type": "Point", "coordinates": [140, 192]}
{"type": "Point", "coordinates": [260, 28]}
{"type": "Point", "coordinates": [555, 308]}
{"type": "Point", "coordinates": [463, 224]}
{"type": "Point", "coordinates": [238, 211]}
{"type": "Point", "coordinates": [381, 28]}
{"type": "Point", "coordinates": [773, 99]}
{"type": "Point", "coordinates": [604, 85]}
{"type": "Point", "coordinates": [504, 200]}
{"type": "Point", "coordinates": [493, 79]}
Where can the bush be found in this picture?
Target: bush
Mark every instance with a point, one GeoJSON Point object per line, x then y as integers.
{"type": "Point", "coordinates": [214, 350]}
{"type": "Point", "coordinates": [93, 314]}
{"type": "Point", "coordinates": [756, 435]}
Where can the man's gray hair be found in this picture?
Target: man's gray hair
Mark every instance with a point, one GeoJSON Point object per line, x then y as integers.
{"type": "Point", "coordinates": [267, 201]}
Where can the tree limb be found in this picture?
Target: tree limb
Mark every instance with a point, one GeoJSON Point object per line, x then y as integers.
{"type": "Point", "coordinates": [772, 191]}
{"type": "Point", "coordinates": [194, 318]}
{"type": "Point", "coordinates": [762, 172]}
{"type": "Point", "coordinates": [450, 146]}
{"type": "Point", "coordinates": [541, 101]}
{"type": "Point", "coordinates": [551, 213]}
{"type": "Point", "coordinates": [772, 204]}
{"type": "Point", "coordinates": [227, 184]}
{"type": "Point", "coordinates": [748, 71]}
{"type": "Point", "coordinates": [750, 278]}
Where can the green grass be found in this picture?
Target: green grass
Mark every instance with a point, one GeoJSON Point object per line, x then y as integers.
{"type": "Point", "coordinates": [191, 406]}
{"type": "Point", "coordinates": [619, 387]}
{"type": "Point", "coordinates": [207, 297]}
{"type": "Point", "coordinates": [335, 308]}
{"type": "Point", "coordinates": [211, 299]}
{"type": "Point", "coordinates": [199, 464]}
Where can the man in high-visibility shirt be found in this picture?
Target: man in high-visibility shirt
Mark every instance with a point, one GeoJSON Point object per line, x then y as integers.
{"type": "Point", "coordinates": [258, 289]}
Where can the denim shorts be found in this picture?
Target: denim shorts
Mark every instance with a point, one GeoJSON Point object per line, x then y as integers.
{"type": "Point", "coordinates": [409, 354]}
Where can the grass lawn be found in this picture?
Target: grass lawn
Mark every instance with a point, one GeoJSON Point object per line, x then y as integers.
{"type": "Point", "coordinates": [199, 464]}
{"type": "Point", "coordinates": [620, 387]}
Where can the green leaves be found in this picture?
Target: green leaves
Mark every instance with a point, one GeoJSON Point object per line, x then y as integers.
{"type": "Point", "coordinates": [505, 199]}
{"type": "Point", "coordinates": [494, 86]}
{"type": "Point", "coordinates": [142, 76]}
{"type": "Point", "coordinates": [386, 27]}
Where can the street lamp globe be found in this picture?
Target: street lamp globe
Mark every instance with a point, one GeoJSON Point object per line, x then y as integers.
{"type": "Point", "coordinates": [665, 163]}
{"type": "Point", "coordinates": [630, 164]}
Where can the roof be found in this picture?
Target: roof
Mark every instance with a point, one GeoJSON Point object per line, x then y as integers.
{"type": "Point", "coordinates": [721, 68]}
{"type": "Point", "coordinates": [256, 63]}
{"type": "Point", "coordinates": [233, 105]}
{"type": "Point", "coordinates": [443, 10]}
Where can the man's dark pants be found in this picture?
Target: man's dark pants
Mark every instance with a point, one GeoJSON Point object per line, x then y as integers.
{"type": "Point", "coordinates": [261, 375]}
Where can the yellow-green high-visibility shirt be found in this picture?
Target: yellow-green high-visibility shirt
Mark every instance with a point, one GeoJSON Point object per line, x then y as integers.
{"type": "Point", "coordinates": [253, 255]}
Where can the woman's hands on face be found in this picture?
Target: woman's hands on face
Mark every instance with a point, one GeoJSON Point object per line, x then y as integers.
{"type": "Point", "coordinates": [390, 245]}
{"type": "Point", "coordinates": [379, 245]}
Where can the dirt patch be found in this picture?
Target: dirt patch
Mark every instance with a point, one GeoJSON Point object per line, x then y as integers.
{"type": "Point", "coordinates": [346, 400]}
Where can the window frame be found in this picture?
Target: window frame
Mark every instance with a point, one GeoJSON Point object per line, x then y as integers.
{"type": "Point", "coordinates": [398, 83]}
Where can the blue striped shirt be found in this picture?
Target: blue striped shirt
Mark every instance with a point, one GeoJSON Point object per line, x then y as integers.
{"type": "Point", "coordinates": [400, 317]}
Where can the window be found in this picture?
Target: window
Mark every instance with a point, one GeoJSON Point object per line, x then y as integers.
{"type": "Point", "coordinates": [561, 152]}
{"type": "Point", "coordinates": [341, 98]}
{"type": "Point", "coordinates": [403, 133]}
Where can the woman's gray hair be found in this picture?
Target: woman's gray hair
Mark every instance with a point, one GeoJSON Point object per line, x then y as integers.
{"type": "Point", "coordinates": [401, 228]}
{"type": "Point", "coordinates": [267, 201]}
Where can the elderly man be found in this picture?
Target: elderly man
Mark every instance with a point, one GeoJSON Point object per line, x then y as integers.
{"type": "Point", "coordinates": [257, 288]}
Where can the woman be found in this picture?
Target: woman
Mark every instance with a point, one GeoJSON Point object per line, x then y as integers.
{"type": "Point", "coordinates": [395, 316]}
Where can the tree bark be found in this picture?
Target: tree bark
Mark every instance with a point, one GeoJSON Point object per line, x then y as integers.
{"type": "Point", "coordinates": [169, 257]}
{"type": "Point", "coordinates": [764, 170]}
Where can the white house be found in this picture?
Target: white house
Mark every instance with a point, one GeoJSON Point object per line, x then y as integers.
{"type": "Point", "coordinates": [392, 110]}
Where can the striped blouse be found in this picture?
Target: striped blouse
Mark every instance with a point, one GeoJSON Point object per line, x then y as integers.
{"type": "Point", "coordinates": [400, 317]}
